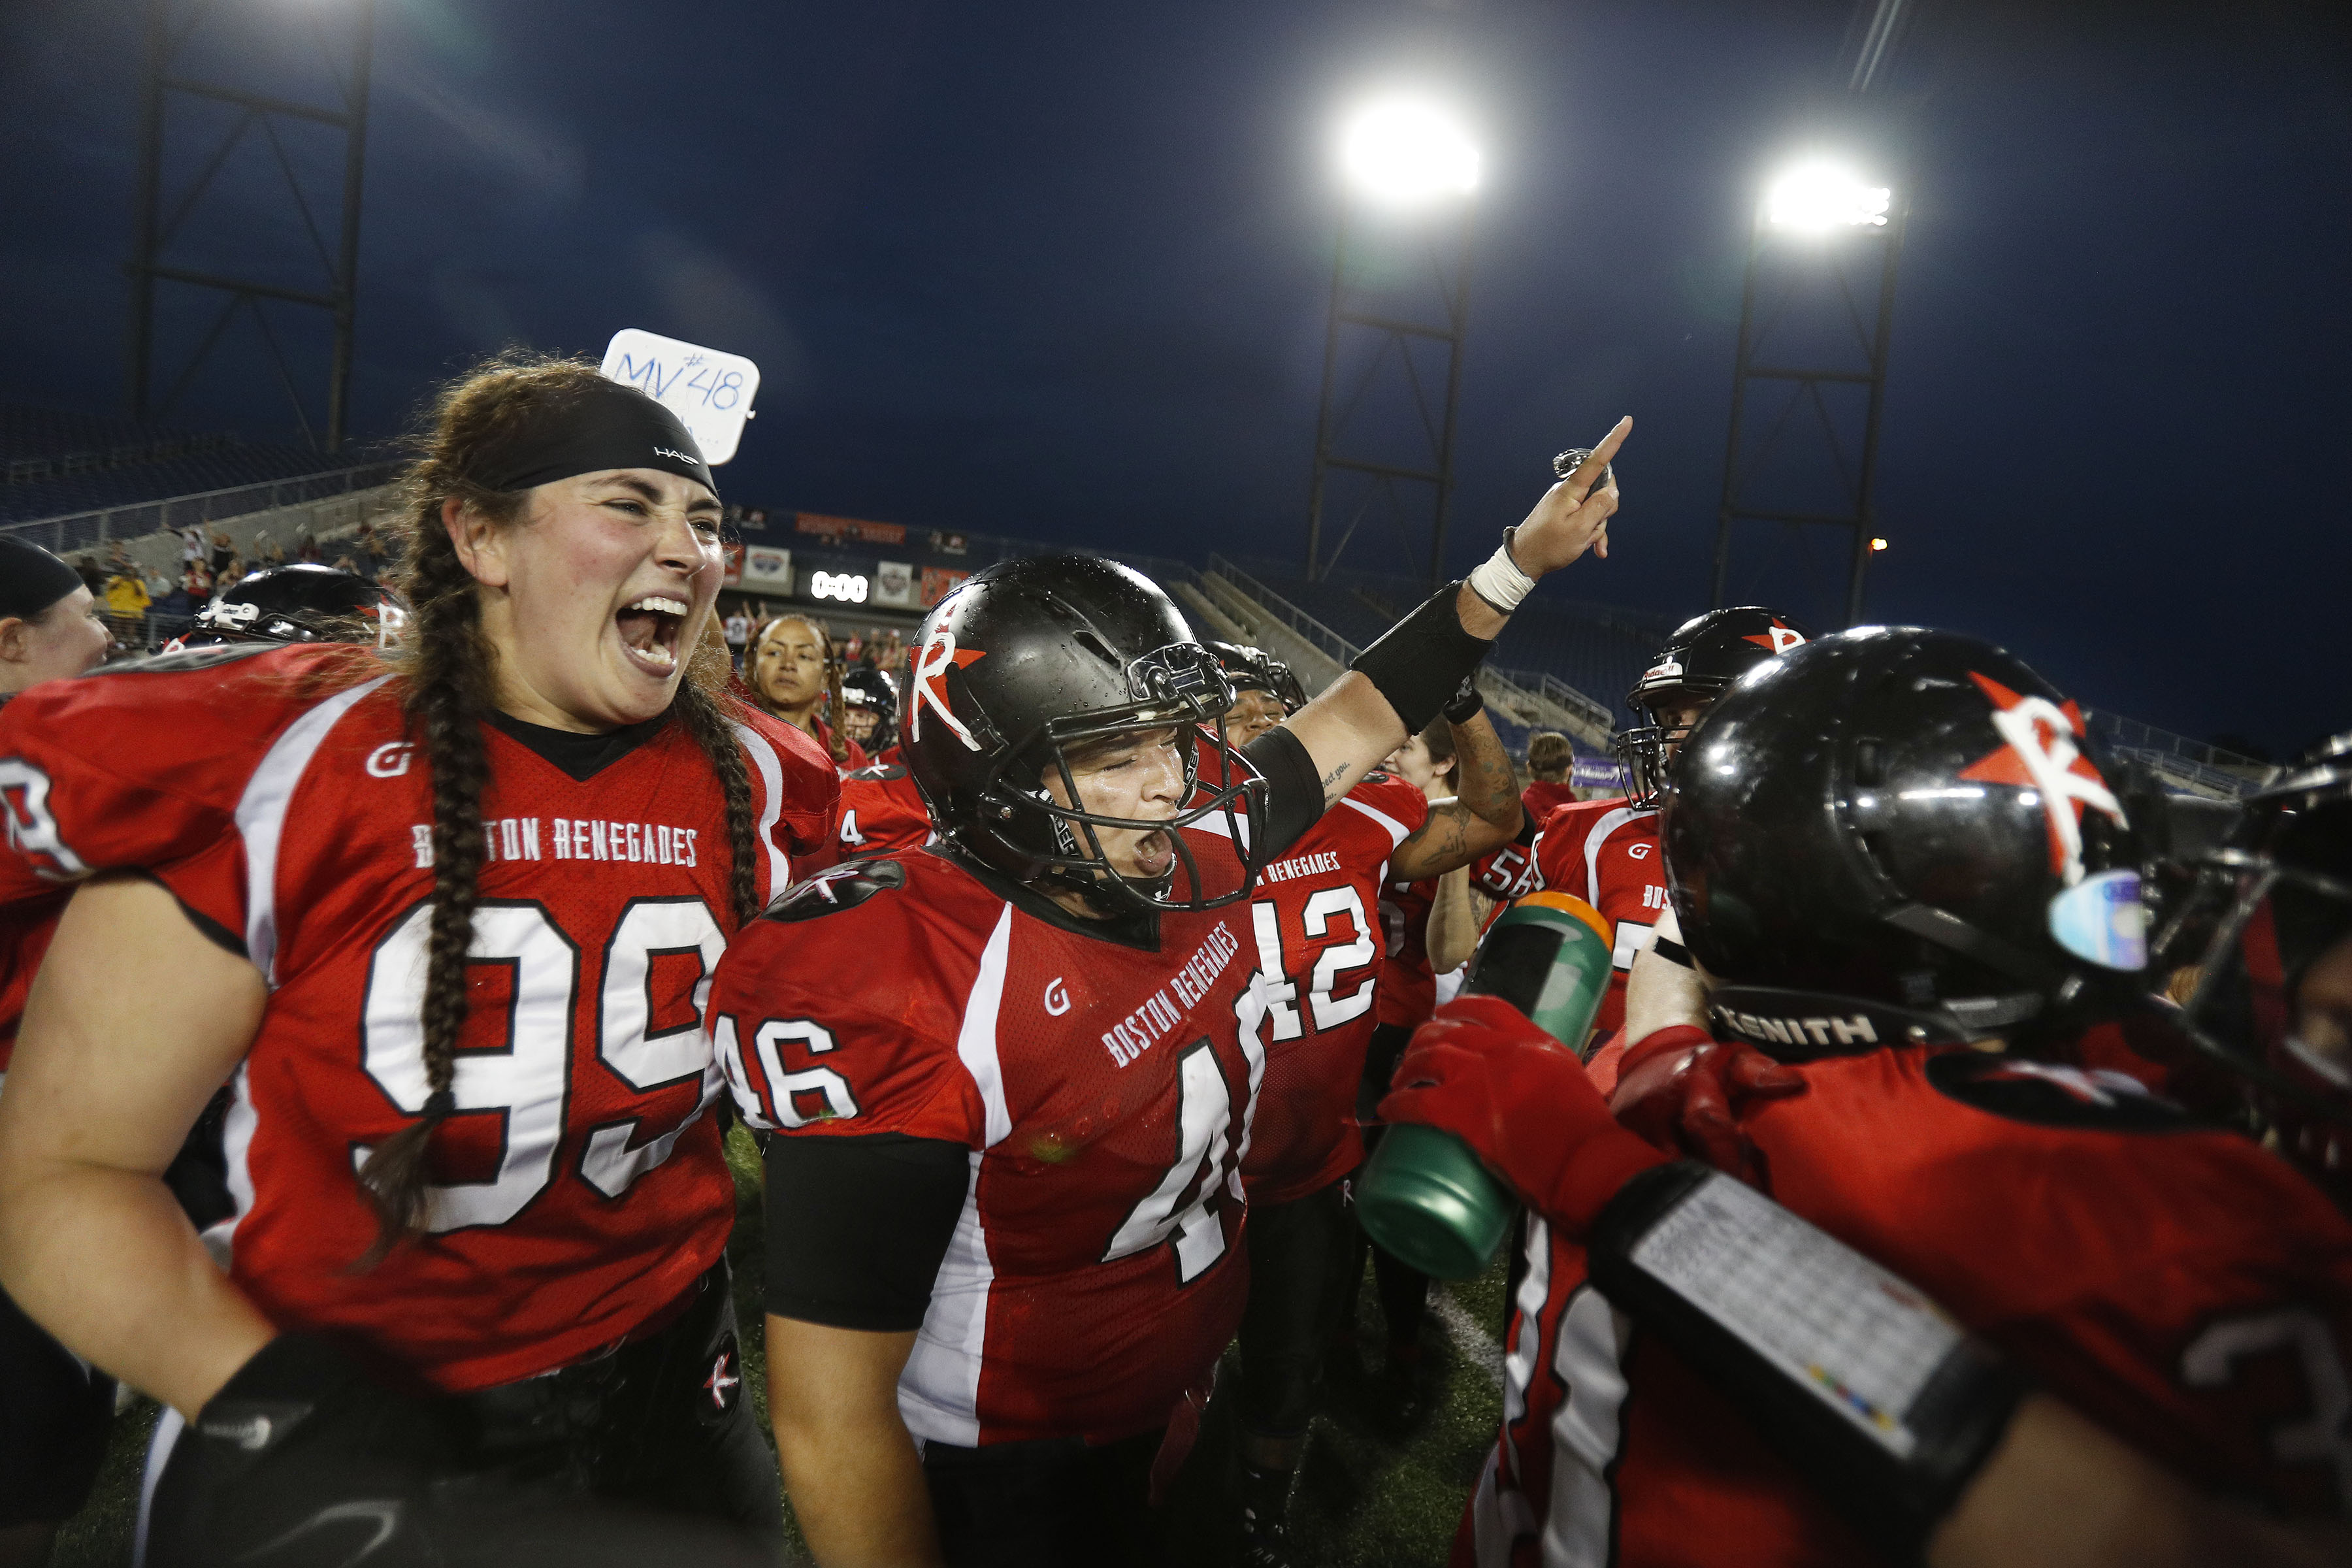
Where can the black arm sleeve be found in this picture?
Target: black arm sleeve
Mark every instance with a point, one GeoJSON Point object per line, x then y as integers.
{"type": "Point", "coordinates": [856, 1226]}
{"type": "Point", "coordinates": [1422, 661]}
{"type": "Point", "coordinates": [1898, 1406]}
{"type": "Point", "coordinates": [1294, 794]}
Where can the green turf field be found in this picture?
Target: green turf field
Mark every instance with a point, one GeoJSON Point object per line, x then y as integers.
{"type": "Point", "coordinates": [1368, 1498]}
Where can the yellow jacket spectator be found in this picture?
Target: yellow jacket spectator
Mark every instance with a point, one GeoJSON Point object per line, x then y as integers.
{"type": "Point", "coordinates": [126, 594]}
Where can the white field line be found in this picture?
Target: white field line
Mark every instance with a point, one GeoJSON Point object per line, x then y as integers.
{"type": "Point", "coordinates": [1476, 1344]}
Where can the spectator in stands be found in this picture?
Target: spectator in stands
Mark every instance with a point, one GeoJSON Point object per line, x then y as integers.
{"type": "Point", "coordinates": [197, 579]}
{"type": "Point", "coordinates": [126, 601]}
{"type": "Point", "coordinates": [231, 571]}
{"type": "Point", "coordinates": [48, 619]}
{"type": "Point", "coordinates": [93, 576]}
{"type": "Point", "coordinates": [306, 547]}
{"type": "Point", "coordinates": [892, 654]}
{"type": "Point", "coordinates": [192, 543]}
{"type": "Point", "coordinates": [367, 552]}
{"type": "Point", "coordinates": [737, 632]}
{"type": "Point", "coordinates": [223, 552]}
{"type": "Point", "coordinates": [266, 552]}
{"type": "Point", "coordinates": [172, 604]}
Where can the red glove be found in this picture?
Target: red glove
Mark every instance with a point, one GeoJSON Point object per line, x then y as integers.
{"type": "Point", "coordinates": [1519, 1098]}
{"type": "Point", "coordinates": [1680, 1088]}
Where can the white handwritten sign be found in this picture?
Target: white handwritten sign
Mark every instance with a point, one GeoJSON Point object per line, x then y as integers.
{"type": "Point", "coordinates": [711, 390]}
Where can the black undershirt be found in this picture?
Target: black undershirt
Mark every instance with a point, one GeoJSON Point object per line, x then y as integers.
{"type": "Point", "coordinates": [581, 756]}
{"type": "Point", "coordinates": [858, 1226]}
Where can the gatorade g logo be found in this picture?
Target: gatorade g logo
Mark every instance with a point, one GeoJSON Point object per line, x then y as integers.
{"type": "Point", "coordinates": [931, 666]}
{"type": "Point", "coordinates": [32, 831]}
{"type": "Point", "coordinates": [2040, 754]}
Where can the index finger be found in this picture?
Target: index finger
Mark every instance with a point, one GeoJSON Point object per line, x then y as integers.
{"type": "Point", "coordinates": [1589, 471]}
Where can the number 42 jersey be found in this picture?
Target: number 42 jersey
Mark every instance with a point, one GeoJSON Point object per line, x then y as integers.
{"type": "Point", "coordinates": [278, 794]}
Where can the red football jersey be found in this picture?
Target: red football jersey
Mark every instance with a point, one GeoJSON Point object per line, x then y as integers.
{"type": "Point", "coordinates": [882, 813]}
{"type": "Point", "coordinates": [1543, 797]}
{"type": "Point", "coordinates": [1105, 1091]}
{"type": "Point", "coordinates": [1318, 946]}
{"type": "Point", "coordinates": [25, 932]}
{"type": "Point", "coordinates": [1606, 853]}
{"type": "Point", "coordinates": [1408, 993]}
{"type": "Point", "coordinates": [2185, 1288]}
{"type": "Point", "coordinates": [581, 1187]}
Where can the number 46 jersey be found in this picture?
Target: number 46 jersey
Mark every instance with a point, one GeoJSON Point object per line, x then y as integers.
{"type": "Point", "coordinates": [1101, 1076]}
{"type": "Point", "coordinates": [580, 1187]}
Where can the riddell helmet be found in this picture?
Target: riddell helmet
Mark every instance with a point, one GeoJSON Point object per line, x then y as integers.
{"type": "Point", "coordinates": [1030, 658]}
{"type": "Point", "coordinates": [303, 603]}
{"type": "Point", "coordinates": [1703, 657]}
{"type": "Point", "coordinates": [2270, 922]}
{"type": "Point", "coordinates": [868, 690]}
{"type": "Point", "coordinates": [1896, 836]}
{"type": "Point", "coordinates": [1255, 669]}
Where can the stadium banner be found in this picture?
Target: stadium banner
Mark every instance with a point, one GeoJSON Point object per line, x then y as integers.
{"type": "Point", "coordinates": [894, 583]}
{"type": "Point", "coordinates": [709, 389]}
{"type": "Point", "coordinates": [765, 566]}
{"type": "Point", "coordinates": [1597, 772]}
{"type": "Point", "coordinates": [937, 581]}
{"type": "Point", "coordinates": [838, 530]}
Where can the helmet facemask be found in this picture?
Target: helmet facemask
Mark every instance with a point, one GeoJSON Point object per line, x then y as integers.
{"type": "Point", "coordinates": [1648, 749]}
{"type": "Point", "coordinates": [2266, 923]}
{"type": "Point", "coordinates": [1179, 689]}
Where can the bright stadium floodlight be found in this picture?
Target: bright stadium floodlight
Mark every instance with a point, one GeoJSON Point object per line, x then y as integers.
{"type": "Point", "coordinates": [1818, 197]}
{"type": "Point", "coordinates": [1406, 151]}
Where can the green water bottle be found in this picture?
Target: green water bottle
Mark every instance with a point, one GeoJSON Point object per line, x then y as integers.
{"type": "Point", "coordinates": [1424, 1196]}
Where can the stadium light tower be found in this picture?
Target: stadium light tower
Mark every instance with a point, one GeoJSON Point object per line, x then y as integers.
{"type": "Point", "coordinates": [202, 109]}
{"type": "Point", "coordinates": [1409, 168]}
{"type": "Point", "coordinates": [1817, 221]}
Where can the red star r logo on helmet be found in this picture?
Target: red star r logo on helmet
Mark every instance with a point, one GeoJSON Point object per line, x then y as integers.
{"type": "Point", "coordinates": [931, 666]}
{"type": "Point", "coordinates": [2040, 754]}
{"type": "Point", "coordinates": [1780, 636]}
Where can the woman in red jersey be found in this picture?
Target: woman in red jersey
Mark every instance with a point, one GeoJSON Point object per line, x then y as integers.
{"type": "Point", "coordinates": [443, 922]}
{"type": "Point", "coordinates": [796, 675]}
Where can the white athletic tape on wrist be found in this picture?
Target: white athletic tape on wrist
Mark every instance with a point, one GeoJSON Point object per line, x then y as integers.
{"type": "Point", "coordinates": [1499, 581]}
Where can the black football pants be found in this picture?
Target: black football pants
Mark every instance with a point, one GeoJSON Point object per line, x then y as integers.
{"type": "Point", "coordinates": [1299, 1253]}
{"type": "Point", "coordinates": [1052, 1503]}
{"type": "Point", "coordinates": [55, 1412]}
{"type": "Point", "coordinates": [583, 1466]}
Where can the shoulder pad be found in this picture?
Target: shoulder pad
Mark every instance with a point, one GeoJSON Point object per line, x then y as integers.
{"type": "Point", "coordinates": [836, 888]}
{"type": "Point", "coordinates": [880, 772]}
{"type": "Point", "coordinates": [187, 659]}
{"type": "Point", "coordinates": [2048, 1095]}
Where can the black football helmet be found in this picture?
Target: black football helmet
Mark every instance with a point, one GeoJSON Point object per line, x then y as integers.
{"type": "Point", "coordinates": [1028, 659]}
{"type": "Point", "coordinates": [1897, 836]}
{"type": "Point", "coordinates": [1703, 657]}
{"type": "Point", "coordinates": [300, 603]}
{"type": "Point", "coordinates": [1255, 669]}
{"type": "Point", "coordinates": [864, 689]}
{"type": "Point", "coordinates": [2268, 929]}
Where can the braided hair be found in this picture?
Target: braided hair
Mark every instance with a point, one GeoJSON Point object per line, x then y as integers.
{"type": "Point", "coordinates": [449, 671]}
{"type": "Point", "coordinates": [834, 668]}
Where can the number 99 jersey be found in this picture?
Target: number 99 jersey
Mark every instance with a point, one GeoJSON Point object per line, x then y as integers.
{"type": "Point", "coordinates": [278, 794]}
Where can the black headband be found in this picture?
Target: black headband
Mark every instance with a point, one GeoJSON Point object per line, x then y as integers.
{"type": "Point", "coordinates": [608, 425]}
{"type": "Point", "coordinates": [31, 579]}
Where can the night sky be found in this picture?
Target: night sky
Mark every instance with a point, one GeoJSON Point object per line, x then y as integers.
{"type": "Point", "coordinates": [1061, 270]}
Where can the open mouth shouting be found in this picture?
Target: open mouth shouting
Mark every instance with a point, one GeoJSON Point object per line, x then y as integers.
{"type": "Point", "coordinates": [650, 628]}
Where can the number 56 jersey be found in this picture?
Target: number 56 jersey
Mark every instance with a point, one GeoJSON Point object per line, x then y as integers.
{"type": "Point", "coordinates": [1102, 1077]}
{"type": "Point", "coordinates": [278, 794]}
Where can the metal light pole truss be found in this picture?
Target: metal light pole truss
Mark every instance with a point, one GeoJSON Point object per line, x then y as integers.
{"type": "Point", "coordinates": [1811, 377]}
{"type": "Point", "coordinates": [160, 225]}
{"type": "Point", "coordinates": [1385, 444]}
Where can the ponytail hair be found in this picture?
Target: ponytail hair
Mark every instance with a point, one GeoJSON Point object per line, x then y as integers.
{"type": "Point", "coordinates": [450, 681]}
